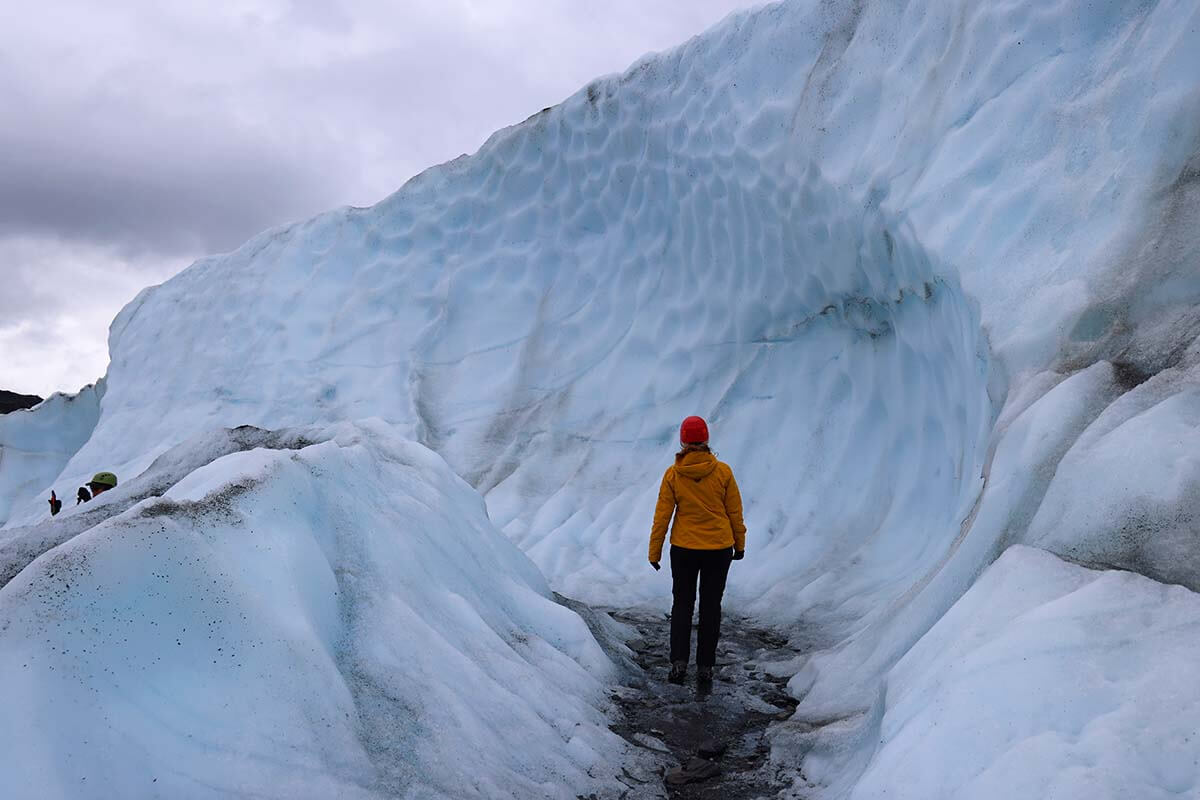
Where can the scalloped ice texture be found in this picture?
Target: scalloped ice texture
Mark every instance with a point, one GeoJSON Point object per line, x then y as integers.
{"type": "Point", "coordinates": [330, 615]}
{"type": "Point", "coordinates": [544, 313]}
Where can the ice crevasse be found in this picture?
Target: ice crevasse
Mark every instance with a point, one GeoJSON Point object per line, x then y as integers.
{"type": "Point", "coordinates": [927, 268]}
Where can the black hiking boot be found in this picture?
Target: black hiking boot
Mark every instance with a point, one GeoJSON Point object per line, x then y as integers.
{"type": "Point", "coordinates": [678, 672]}
{"type": "Point", "coordinates": [704, 674]}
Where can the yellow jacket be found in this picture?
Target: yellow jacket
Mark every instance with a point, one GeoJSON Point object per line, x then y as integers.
{"type": "Point", "coordinates": [702, 494]}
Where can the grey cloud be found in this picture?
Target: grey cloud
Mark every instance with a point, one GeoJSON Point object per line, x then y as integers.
{"type": "Point", "coordinates": [144, 177]}
{"type": "Point", "coordinates": [203, 134]}
{"type": "Point", "coordinates": [56, 300]}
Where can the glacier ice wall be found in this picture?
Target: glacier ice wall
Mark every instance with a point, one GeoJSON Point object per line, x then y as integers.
{"type": "Point", "coordinates": [543, 313]}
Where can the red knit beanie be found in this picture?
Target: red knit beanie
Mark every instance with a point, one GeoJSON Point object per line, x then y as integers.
{"type": "Point", "coordinates": [693, 431]}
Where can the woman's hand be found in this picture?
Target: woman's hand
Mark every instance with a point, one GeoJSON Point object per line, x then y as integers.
{"type": "Point", "coordinates": [738, 555]}
{"type": "Point", "coordinates": [655, 565]}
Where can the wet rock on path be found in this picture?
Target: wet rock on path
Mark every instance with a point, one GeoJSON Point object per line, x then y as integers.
{"type": "Point", "coordinates": [675, 723]}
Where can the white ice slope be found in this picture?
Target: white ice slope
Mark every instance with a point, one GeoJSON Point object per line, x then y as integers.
{"type": "Point", "coordinates": [327, 614]}
{"type": "Point", "coordinates": [1047, 680]}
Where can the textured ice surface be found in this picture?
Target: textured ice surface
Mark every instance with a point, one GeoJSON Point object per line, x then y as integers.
{"type": "Point", "coordinates": [20, 545]}
{"type": "Point", "coordinates": [1127, 494]}
{"type": "Point", "coordinates": [800, 225]}
{"type": "Point", "coordinates": [330, 616]}
{"type": "Point", "coordinates": [1047, 680]}
{"type": "Point", "coordinates": [543, 313]}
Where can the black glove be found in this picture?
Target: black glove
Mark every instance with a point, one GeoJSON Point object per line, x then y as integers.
{"type": "Point", "coordinates": [738, 555]}
{"type": "Point", "coordinates": [55, 504]}
{"type": "Point", "coordinates": [82, 496]}
{"type": "Point", "coordinates": [655, 565]}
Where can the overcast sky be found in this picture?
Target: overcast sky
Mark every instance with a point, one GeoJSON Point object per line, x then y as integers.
{"type": "Point", "coordinates": [140, 135]}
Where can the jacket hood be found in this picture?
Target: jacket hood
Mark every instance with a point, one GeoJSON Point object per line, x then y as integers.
{"type": "Point", "coordinates": [696, 464]}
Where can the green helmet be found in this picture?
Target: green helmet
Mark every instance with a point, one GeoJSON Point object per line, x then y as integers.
{"type": "Point", "coordinates": [104, 479]}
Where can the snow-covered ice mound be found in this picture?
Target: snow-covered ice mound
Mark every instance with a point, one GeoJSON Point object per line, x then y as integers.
{"type": "Point", "coordinates": [1047, 680]}
{"type": "Point", "coordinates": [331, 616]}
{"type": "Point", "coordinates": [1127, 493]}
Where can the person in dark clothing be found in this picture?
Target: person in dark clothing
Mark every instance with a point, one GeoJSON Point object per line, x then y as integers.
{"type": "Point", "coordinates": [101, 482]}
{"type": "Point", "coordinates": [708, 533]}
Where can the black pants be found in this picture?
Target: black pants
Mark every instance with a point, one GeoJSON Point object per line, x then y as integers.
{"type": "Point", "coordinates": [712, 567]}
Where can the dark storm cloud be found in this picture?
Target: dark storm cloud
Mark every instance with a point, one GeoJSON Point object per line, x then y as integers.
{"type": "Point", "coordinates": [138, 136]}
{"type": "Point", "coordinates": [140, 171]}
{"type": "Point", "coordinates": [209, 193]}
{"type": "Point", "coordinates": [179, 130]}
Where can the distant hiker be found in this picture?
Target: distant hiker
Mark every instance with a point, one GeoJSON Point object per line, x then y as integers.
{"type": "Point", "coordinates": [101, 482]}
{"type": "Point", "coordinates": [708, 533]}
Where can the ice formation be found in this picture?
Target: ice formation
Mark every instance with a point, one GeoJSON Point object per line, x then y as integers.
{"type": "Point", "coordinates": [928, 269]}
{"type": "Point", "coordinates": [326, 613]}
{"type": "Point", "coordinates": [1046, 680]}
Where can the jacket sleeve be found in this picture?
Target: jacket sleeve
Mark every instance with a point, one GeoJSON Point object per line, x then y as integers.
{"type": "Point", "coordinates": [663, 512]}
{"type": "Point", "coordinates": [733, 509]}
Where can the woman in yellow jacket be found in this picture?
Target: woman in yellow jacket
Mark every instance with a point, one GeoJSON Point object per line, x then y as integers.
{"type": "Point", "coordinates": [708, 533]}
